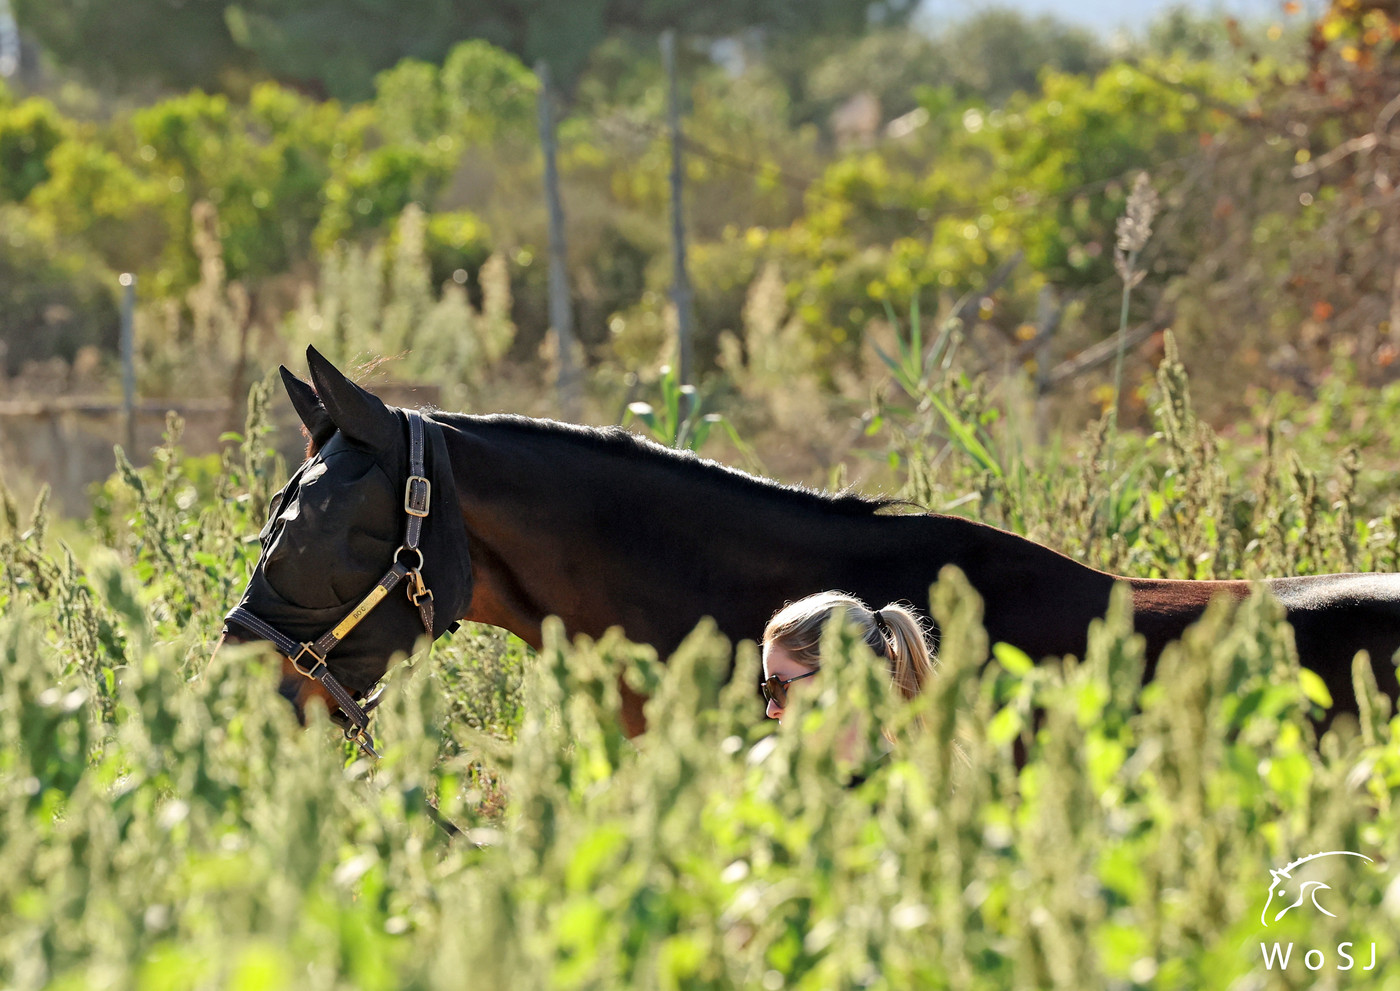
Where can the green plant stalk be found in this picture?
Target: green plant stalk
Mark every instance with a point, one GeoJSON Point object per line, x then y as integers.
{"type": "Point", "coordinates": [1118, 361]}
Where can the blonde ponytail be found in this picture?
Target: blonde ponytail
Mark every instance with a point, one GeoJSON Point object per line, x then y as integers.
{"type": "Point", "coordinates": [910, 661]}
{"type": "Point", "coordinates": [894, 632]}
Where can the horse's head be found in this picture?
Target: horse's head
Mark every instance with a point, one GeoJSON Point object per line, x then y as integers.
{"type": "Point", "coordinates": [339, 526]}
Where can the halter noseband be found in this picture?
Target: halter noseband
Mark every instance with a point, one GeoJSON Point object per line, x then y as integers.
{"type": "Point", "coordinates": [309, 658]}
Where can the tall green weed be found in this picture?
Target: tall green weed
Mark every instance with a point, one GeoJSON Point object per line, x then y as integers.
{"type": "Point", "coordinates": [196, 838]}
{"type": "Point", "coordinates": [166, 824]}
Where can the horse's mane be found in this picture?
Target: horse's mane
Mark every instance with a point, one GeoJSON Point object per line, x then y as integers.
{"type": "Point", "coordinates": [698, 472]}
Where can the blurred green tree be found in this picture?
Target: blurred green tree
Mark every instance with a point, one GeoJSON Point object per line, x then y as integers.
{"type": "Point", "coordinates": [998, 52]}
{"type": "Point", "coordinates": [480, 94]}
{"type": "Point", "coordinates": [111, 41]}
{"type": "Point", "coordinates": [329, 48]}
{"type": "Point", "coordinates": [263, 165]}
{"type": "Point", "coordinates": [986, 55]}
{"type": "Point", "coordinates": [890, 65]}
{"type": "Point", "coordinates": [53, 301]}
{"type": "Point", "coordinates": [29, 131]}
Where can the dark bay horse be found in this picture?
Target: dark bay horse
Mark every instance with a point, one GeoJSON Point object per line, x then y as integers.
{"type": "Point", "coordinates": [533, 518]}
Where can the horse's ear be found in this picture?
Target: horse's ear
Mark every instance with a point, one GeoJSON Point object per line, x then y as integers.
{"type": "Point", "coordinates": [361, 416]}
{"type": "Point", "coordinates": [308, 406]}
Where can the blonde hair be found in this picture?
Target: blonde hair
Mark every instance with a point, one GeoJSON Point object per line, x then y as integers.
{"type": "Point", "coordinates": [893, 632]}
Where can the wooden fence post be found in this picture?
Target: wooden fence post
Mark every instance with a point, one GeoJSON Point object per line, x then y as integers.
{"type": "Point", "coordinates": [561, 314]}
{"type": "Point", "coordinates": [680, 290]}
{"type": "Point", "coordinates": [128, 348]}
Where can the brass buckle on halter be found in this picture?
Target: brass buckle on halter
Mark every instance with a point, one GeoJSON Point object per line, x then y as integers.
{"type": "Point", "coordinates": [417, 588]}
{"type": "Point", "coordinates": [410, 504]}
{"type": "Point", "coordinates": [316, 670]}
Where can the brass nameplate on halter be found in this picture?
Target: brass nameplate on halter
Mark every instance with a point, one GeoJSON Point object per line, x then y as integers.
{"type": "Point", "coordinates": [411, 506]}
{"type": "Point", "coordinates": [359, 612]}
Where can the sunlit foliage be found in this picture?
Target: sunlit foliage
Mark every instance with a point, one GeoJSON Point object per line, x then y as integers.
{"type": "Point", "coordinates": [165, 823]}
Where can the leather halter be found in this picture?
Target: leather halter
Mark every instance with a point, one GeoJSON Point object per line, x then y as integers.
{"type": "Point", "coordinates": [309, 658]}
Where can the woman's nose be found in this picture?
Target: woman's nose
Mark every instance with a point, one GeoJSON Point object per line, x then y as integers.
{"type": "Point", "coordinates": [775, 711]}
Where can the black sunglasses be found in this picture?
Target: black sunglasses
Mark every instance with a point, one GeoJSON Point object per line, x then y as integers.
{"type": "Point", "coordinates": [775, 688]}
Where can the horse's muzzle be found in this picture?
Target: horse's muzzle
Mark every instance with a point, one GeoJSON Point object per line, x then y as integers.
{"type": "Point", "coordinates": [291, 686]}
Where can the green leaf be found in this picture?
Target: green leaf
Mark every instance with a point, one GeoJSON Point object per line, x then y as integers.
{"type": "Point", "coordinates": [916, 332]}
{"type": "Point", "coordinates": [965, 436]}
{"type": "Point", "coordinates": [935, 353]}
{"type": "Point", "coordinates": [1014, 659]}
{"type": "Point", "coordinates": [1005, 726]}
{"type": "Point", "coordinates": [1315, 688]}
{"type": "Point", "coordinates": [890, 363]}
{"type": "Point", "coordinates": [595, 856]}
{"type": "Point", "coordinates": [644, 413]}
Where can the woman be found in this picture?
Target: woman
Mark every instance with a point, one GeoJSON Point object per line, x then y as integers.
{"type": "Point", "coordinates": [792, 644]}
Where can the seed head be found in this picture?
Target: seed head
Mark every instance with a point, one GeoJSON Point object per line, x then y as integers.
{"type": "Point", "coordinates": [1134, 228]}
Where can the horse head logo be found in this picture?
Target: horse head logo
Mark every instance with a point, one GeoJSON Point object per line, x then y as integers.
{"type": "Point", "coordinates": [1289, 892]}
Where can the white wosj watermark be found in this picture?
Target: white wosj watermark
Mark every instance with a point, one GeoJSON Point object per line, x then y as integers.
{"type": "Point", "coordinates": [1300, 885]}
{"type": "Point", "coordinates": [1277, 956]}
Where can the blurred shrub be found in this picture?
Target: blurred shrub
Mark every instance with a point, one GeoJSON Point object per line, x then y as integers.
{"type": "Point", "coordinates": [382, 300]}
{"type": "Point", "coordinates": [408, 101]}
{"type": "Point", "coordinates": [52, 302]}
{"type": "Point", "coordinates": [888, 65]}
{"type": "Point", "coordinates": [722, 272]}
{"type": "Point", "coordinates": [998, 53]}
{"type": "Point", "coordinates": [1297, 254]}
{"type": "Point", "coordinates": [479, 95]}
{"type": "Point", "coordinates": [91, 196]}
{"type": "Point", "coordinates": [1274, 254]}
{"type": "Point", "coordinates": [29, 131]}
{"type": "Point", "coordinates": [987, 57]}
{"type": "Point", "coordinates": [375, 189]}
{"type": "Point", "coordinates": [487, 93]}
{"type": "Point", "coordinates": [936, 212]}
{"type": "Point", "coordinates": [457, 245]}
{"type": "Point", "coordinates": [264, 166]}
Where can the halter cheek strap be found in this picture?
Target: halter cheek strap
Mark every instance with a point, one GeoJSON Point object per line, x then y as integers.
{"type": "Point", "coordinates": [310, 658]}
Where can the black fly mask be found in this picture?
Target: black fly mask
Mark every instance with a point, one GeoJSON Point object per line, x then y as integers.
{"type": "Point", "coordinates": [341, 521]}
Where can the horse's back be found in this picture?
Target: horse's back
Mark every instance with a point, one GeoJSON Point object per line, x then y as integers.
{"type": "Point", "coordinates": [1379, 592]}
{"type": "Point", "coordinates": [1334, 616]}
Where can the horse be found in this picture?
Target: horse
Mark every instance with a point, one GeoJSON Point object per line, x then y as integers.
{"type": "Point", "coordinates": [521, 519]}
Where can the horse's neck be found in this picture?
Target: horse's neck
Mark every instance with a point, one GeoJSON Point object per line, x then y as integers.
{"type": "Point", "coordinates": [601, 541]}
{"type": "Point", "coordinates": [621, 561]}
{"type": "Point", "coordinates": [564, 527]}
